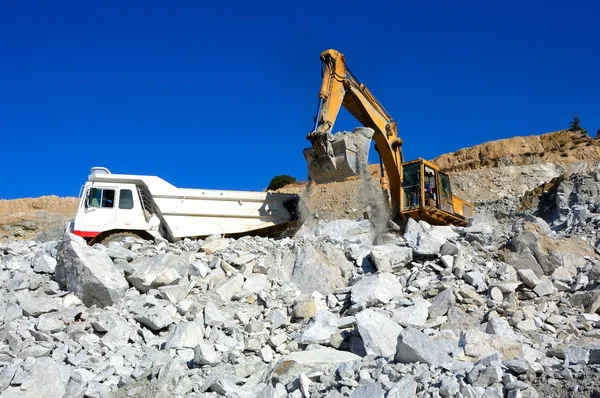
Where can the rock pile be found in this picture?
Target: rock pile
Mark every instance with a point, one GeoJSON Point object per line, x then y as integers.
{"type": "Point", "coordinates": [434, 312]}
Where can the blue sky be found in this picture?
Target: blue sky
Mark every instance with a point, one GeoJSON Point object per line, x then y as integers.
{"type": "Point", "coordinates": [222, 94]}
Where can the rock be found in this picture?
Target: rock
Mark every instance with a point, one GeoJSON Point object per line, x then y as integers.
{"type": "Point", "coordinates": [174, 293]}
{"type": "Point", "coordinates": [243, 259]}
{"type": "Point", "coordinates": [154, 272]}
{"type": "Point", "coordinates": [528, 277]}
{"type": "Point", "coordinates": [45, 380]}
{"type": "Point", "coordinates": [230, 287]}
{"type": "Point", "coordinates": [544, 288]}
{"type": "Point", "coordinates": [475, 279]}
{"type": "Point", "coordinates": [376, 289]}
{"type": "Point", "coordinates": [496, 294]}
{"type": "Point", "coordinates": [256, 283]}
{"type": "Point", "coordinates": [215, 246]}
{"type": "Point", "coordinates": [32, 305]}
{"type": "Point", "coordinates": [320, 329]}
{"type": "Point", "coordinates": [184, 335]}
{"type": "Point", "coordinates": [320, 266]}
{"type": "Point", "coordinates": [116, 251]}
{"type": "Point", "coordinates": [405, 388]}
{"type": "Point", "coordinates": [414, 346]}
{"type": "Point", "coordinates": [291, 365]}
{"type": "Point", "coordinates": [527, 325]}
{"type": "Point", "coordinates": [307, 305]}
{"type": "Point", "coordinates": [369, 390]}
{"type": "Point", "coordinates": [378, 332]}
{"type": "Point", "coordinates": [415, 315]}
{"type": "Point", "coordinates": [390, 258]}
{"type": "Point", "coordinates": [449, 387]}
{"type": "Point", "coordinates": [501, 328]}
{"type": "Point", "coordinates": [213, 316]}
{"type": "Point", "coordinates": [205, 354]}
{"type": "Point", "coordinates": [441, 304]}
{"type": "Point", "coordinates": [43, 263]}
{"type": "Point", "coordinates": [89, 273]}
{"type": "Point", "coordinates": [577, 355]}
{"type": "Point", "coordinates": [489, 376]}
{"type": "Point", "coordinates": [157, 318]}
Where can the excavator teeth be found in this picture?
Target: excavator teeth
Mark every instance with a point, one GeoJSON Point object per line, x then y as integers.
{"type": "Point", "coordinates": [349, 157]}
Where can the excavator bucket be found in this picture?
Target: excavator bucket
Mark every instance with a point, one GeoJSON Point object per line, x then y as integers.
{"type": "Point", "coordinates": [346, 155]}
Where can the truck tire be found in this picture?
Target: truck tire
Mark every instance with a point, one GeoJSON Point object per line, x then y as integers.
{"type": "Point", "coordinates": [118, 237]}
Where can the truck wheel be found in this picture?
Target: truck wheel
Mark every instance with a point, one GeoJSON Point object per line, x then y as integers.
{"type": "Point", "coordinates": [118, 237]}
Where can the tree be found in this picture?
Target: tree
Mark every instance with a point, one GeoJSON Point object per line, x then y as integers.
{"type": "Point", "coordinates": [280, 181]}
{"type": "Point", "coordinates": [576, 125]}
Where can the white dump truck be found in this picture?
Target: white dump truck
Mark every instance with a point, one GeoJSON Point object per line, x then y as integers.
{"type": "Point", "coordinates": [113, 206]}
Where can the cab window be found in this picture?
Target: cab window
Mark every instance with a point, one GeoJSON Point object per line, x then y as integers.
{"type": "Point", "coordinates": [125, 199]}
{"type": "Point", "coordinates": [99, 197]}
{"type": "Point", "coordinates": [445, 190]}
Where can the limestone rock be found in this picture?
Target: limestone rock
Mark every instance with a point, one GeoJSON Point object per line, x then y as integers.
{"type": "Point", "coordinates": [89, 273]}
{"type": "Point", "coordinates": [378, 332]}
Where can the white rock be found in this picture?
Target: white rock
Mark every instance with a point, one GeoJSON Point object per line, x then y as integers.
{"type": "Point", "coordinates": [528, 277]}
{"type": "Point", "coordinates": [390, 258]}
{"type": "Point", "coordinates": [376, 289]}
{"type": "Point", "coordinates": [45, 380]}
{"type": "Point", "coordinates": [256, 283]}
{"type": "Point", "coordinates": [320, 329]}
{"type": "Point", "coordinates": [213, 316]}
{"type": "Point", "coordinates": [230, 287]}
{"type": "Point", "coordinates": [184, 335]}
{"type": "Point", "coordinates": [415, 315]}
{"type": "Point", "coordinates": [544, 288]}
{"type": "Point", "coordinates": [205, 354]}
{"type": "Point", "coordinates": [161, 270]}
{"type": "Point", "coordinates": [378, 332]}
{"type": "Point", "coordinates": [43, 263]}
{"type": "Point", "coordinates": [215, 246]}
{"type": "Point", "coordinates": [290, 366]}
{"type": "Point", "coordinates": [414, 346]}
{"type": "Point", "coordinates": [89, 273]}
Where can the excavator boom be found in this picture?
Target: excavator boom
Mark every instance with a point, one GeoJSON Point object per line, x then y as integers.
{"type": "Point", "coordinates": [336, 157]}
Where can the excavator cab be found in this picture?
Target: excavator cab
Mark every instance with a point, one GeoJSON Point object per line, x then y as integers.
{"type": "Point", "coordinates": [427, 195]}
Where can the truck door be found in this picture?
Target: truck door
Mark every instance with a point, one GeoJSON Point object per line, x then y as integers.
{"type": "Point", "coordinates": [99, 208]}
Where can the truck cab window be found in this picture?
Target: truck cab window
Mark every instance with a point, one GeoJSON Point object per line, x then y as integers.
{"type": "Point", "coordinates": [98, 197]}
{"type": "Point", "coordinates": [125, 199]}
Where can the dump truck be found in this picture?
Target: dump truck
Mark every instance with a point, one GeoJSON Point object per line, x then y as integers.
{"type": "Point", "coordinates": [415, 189]}
{"type": "Point", "coordinates": [115, 206]}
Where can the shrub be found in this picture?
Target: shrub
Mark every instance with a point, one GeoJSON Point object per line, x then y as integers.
{"type": "Point", "coordinates": [576, 124]}
{"type": "Point", "coordinates": [280, 181]}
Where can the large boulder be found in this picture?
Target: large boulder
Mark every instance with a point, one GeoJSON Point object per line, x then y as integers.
{"type": "Point", "coordinates": [415, 346]}
{"type": "Point", "coordinates": [320, 266]}
{"type": "Point", "coordinates": [154, 272]}
{"type": "Point", "coordinates": [390, 258]}
{"type": "Point", "coordinates": [46, 379]}
{"type": "Point", "coordinates": [378, 332]}
{"type": "Point", "coordinates": [376, 289]}
{"type": "Point", "coordinates": [88, 273]}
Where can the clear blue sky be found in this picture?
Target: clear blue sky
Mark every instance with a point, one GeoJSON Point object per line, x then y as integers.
{"type": "Point", "coordinates": [222, 94]}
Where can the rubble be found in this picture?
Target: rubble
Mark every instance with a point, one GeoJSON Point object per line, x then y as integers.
{"type": "Point", "coordinates": [436, 311]}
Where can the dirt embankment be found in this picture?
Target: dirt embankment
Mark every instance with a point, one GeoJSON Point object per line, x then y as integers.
{"type": "Point", "coordinates": [37, 218]}
{"type": "Point", "coordinates": [559, 147]}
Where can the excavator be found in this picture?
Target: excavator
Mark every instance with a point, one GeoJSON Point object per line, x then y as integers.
{"type": "Point", "coordinates": [415, 189]}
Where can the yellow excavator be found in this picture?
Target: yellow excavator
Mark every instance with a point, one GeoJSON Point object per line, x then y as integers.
{"type": "Point", "coordinates": [416, 189]}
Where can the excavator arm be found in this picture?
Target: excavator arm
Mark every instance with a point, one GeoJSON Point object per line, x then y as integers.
{"type": "Point", "coordinates": [334, 158]}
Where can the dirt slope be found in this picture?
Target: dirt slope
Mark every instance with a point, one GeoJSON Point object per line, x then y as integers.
{"type": "Point", "coordinates": [559, 147]}
{"type": "Point", "coordinates": [31, 218]}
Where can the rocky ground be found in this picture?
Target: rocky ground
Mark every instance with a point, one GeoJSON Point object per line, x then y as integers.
{"type": "Point", "coordinates": [506, 307]}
